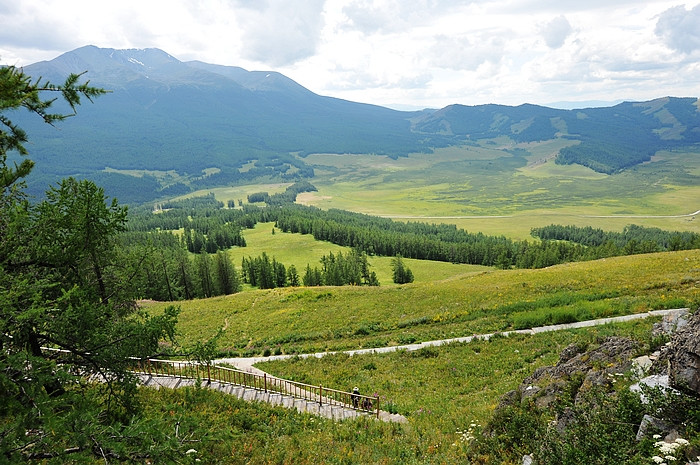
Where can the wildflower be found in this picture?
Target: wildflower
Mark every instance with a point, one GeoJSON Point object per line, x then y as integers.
{"type": "Point", "coordinates": [191, 451]}
{"type": "Point", "coordinates": [656, 436]}
{"type": "Point", "coordinates": [657, 459]}
{"type": "Point", "coordinates": [681, 441]}
{"type": "Point", "coordinates": [670, 458]}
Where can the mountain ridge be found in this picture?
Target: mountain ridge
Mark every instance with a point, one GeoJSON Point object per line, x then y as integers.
{"type": "Point", "coordinates": [168, 115]}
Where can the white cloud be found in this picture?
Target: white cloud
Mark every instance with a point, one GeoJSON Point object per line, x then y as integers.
{"type": "Point", "coordinates": [279, 32]}
{"type": "Point", "coordinates": [680, 28]}
{"type": "Point", "coordinates": [423, 53]}
{"type": "Point", "coordinates": [556, 31]}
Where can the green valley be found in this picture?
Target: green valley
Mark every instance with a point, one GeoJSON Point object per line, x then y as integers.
{"type": "Point", "coordinates": [272, 221]}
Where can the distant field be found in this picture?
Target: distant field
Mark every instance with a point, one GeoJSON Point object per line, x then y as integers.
{"type": "Point", "coordinates": [508, 193]}
{"type": "Point", "coordinates": [502, 188]}
{"type": "Point", "coordinates": [236, 193]}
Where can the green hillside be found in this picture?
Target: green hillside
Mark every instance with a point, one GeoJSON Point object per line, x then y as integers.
{"type": "Point", "coordinates": [317, 319]}
{"type": "Point", "coordinates": [73, 266]}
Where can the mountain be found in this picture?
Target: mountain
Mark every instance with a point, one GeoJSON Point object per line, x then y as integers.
{"type": "Point", "coordinates": [166, 115]}
{"type": "Point", "coordinates": [168, 126]}
{"type": "Point", "coordinates": [611, 139]}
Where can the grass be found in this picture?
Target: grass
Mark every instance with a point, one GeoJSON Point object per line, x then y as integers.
{"type": "Point", "coordinates": [314, 319]}
{"type": "Point", "coordinates": [446, 387]}
{"type": "Point", "coordinates": [441, 391]}
{"type": "Point", "coordinates": [300, 250]}
{"type": "Point", "coordinates": [484, 181]}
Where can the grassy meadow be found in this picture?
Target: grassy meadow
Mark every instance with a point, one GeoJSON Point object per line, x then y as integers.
{"type": "Point", "coordinates": [294, 320]}
{"type": "Point", "coordinates": [301, 250]}
{"type": "Point", "coordinates": [501, 188]}
{"type": "Point", "coordinates": [482, 189]}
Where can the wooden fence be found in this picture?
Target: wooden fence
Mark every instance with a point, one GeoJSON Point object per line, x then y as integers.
{"type": "Point", "coordinates": [232, 376]}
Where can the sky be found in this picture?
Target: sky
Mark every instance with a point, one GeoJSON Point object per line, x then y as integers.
{"type": "Point", "coordinates": [403, 54]}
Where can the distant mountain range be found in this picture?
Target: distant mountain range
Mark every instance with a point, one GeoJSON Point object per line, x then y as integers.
{"type": "Point", "coordinates": [168, 126]}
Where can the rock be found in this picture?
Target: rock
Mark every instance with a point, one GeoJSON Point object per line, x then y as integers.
{"type": "Point", "coordinates": [641, 366]}
{"type": "Point", "coordinates": [527, 460]}
{"type": "Point", "coordinates": [570, 352]}
{"type": "Point", "coordinates": [564, 419]}
{"type": "Point", "coordinates": [684, 357]}
{"type": "Point", "coordinates": [509, 399]}
{"type": "Point", "coordinates": [653, 381]}
{"type": "Point", "coordinates": [587, 369]}
{"type": "Point", "coordinates": [651, 425]}
{"type": "Point", "coordinates": [671, 322]}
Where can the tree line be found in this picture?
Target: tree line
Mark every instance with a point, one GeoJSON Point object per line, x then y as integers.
{"type": "Point", "coordinates": [632, 239]}
{"type": "Point", "coordinates": [366, 235]}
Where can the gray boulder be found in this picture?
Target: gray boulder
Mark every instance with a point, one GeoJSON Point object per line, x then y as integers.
{"type": "Point", "coordinates": [684, 357]}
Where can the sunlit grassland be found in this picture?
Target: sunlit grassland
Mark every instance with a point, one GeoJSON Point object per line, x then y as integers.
{"type": "Point", "coordinates": [518, 226]}
{"type": "Point", "coordinates": [302, 250]}
{"type": "Point", "coordinates": [487, 189]}
{"type": "Point", "coordinates": [293, 320]}
{"type": "Point", "coordinates": [446, 388]}
{"type": "Point", "coordinates": [521, 192]}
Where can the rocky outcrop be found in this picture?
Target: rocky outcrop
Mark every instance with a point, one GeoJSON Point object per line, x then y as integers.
{"type": "Point", "coordinates": [577, 371]}
{"type": "Point", "coordinates": [683, 357]}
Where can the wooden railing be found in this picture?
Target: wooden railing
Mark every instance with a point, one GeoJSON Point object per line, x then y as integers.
{"type": "Point", "coordinates": [264, 382]}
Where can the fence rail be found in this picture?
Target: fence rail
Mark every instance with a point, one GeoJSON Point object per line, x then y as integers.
{"type": "Point", "coordinates": [264, 382]}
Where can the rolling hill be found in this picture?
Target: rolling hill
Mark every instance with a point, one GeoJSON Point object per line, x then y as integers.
{"type": "Point", "coordinates": [169, 127]}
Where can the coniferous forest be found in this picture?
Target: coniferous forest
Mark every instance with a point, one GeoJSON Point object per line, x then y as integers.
{"type": "Point", "coordinates": [207, 229]}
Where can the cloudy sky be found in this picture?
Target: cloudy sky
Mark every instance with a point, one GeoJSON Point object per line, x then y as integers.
{"type": "Point", "coordinates": [417, 53]}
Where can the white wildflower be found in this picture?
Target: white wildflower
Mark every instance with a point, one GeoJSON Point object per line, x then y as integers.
{"type": "Point", "coordinates": [191, 451]}
{"type": "Point", "coordinates": [656, 436]}
{"type": "Point", "coordinates": [657, 459]}
{"type": "Point", "coordinates": [670, 458]}
{"type": "Point", "coordinates": [681, 441]}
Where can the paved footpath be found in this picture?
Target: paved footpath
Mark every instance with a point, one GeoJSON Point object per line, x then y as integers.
{"type": "Point", "coordinates": [246, 363]}
{"type": "Point", "coordinates": [334, 412]}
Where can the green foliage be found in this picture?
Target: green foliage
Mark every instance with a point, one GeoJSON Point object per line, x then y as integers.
{"type": "Point", "coordinates": [633, 239]}
{"type": "Point", "coordinates": [67, 320]}
{"type": "Point", "coordinates": [401, 273]}
{"type": "Point", "coordinates": [17, 91]}
{"type": "Point", "coordinates": [227, 280]}
{"type": "Point", "coordinates": [600, 430]}
{"type": "Point", "coordinates": [674, 407]}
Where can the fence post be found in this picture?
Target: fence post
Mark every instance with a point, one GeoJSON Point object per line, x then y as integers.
{"type": "Point", "coordinates": [320, 395]}
{"type": "Point", "coordinates": [265, 380]}
{"type": "Point", "coordinates": [376, 400]}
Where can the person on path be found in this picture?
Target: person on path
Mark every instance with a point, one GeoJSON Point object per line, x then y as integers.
{"type": "Point", "coordinates": [355, 397]}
